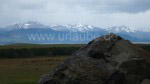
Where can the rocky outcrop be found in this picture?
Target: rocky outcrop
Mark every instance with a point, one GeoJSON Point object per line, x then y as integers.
{"type": "Point", "coordinates": [109, 59]}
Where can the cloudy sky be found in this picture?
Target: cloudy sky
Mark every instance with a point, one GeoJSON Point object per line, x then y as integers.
{"type": "Point", "coordinates": [102, 13]}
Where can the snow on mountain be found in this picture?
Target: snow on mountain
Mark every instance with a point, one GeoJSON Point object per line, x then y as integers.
{"type": "Point", "coordinates": [32, 24]}
{"type": "Point", "coordinates": [32, 27]}
{"type": "Point", "coordinates": [75, 28]}
{"type": "Point", "coordinates": [80, 27]}
{"type": "Point", "coordinates": [123, 28]}
{"type": "Point", "coordinates": [26, 25]}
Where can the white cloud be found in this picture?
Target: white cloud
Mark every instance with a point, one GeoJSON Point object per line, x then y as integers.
{"type": "Point", "coordinates": [102, 13]}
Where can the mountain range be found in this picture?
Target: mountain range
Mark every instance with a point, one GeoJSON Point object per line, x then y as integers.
{"type": "Point", "coordinates": [37, 33]}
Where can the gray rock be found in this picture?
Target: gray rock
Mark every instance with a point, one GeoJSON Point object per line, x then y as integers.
{"type": "Point", "coordinates": [109, 59]}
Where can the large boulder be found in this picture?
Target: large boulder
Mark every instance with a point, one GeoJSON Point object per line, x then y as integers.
{"type": "Point", "coordinates": [109, 59]}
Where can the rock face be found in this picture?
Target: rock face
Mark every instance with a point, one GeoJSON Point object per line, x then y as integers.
{"type": "Point", "coordinates": [109, 59]}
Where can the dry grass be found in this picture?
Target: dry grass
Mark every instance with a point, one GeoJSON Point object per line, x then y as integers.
{"type": "Point", "coordinates": [26, 70]}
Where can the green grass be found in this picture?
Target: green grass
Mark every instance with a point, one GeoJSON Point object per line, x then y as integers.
{"type": "Point", "coordinates": [22, 82]}
{"type": "Point", "coordinates": [35, 50]}
{"type": "Point", "coordinates": [28, 46]}
{"type": "Point", "coordinates": [27, 70]}
{"type": "Point", "coordinates": [18, 46]}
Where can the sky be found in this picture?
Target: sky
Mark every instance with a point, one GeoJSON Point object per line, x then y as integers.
{"type": "Point", "coordinates": [101, 13]}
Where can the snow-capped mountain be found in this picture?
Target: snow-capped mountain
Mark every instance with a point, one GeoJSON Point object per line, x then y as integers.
{"type": "Point", "coordinates": [80, 27]}
{"type": "Point", "coordinates": [117, 29]}
{"type": "Point", "coordinates": [26, 25]}
{"type": "Point", "coordinates": [75, 28]}
{"type": "Point", "coordinates": [33, 24]}
{"type": "Point", "coordinates": [40, 33]}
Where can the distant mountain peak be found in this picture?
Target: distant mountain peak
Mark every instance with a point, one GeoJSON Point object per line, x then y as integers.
{"type": "Point", "coordinates": [19, 30]}
{"type": "Point", "coordinates": [26, 25]}
{"type": "Point", "coordinates": [121, 28]}
{"type": "Point", "coordinates": [82, 27]}
{"type": "Point", "coordinates": [79, 27]}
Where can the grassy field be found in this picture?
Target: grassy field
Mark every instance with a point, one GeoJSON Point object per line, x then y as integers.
{"type": "Point", "coordinates": [31, 46]}
{"type": "Point", "coordinates": [27, 70]}
{"type": "Point", "coordinates": [35, 50]}
{"type": "Point", "coordinates": [20, 46]}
